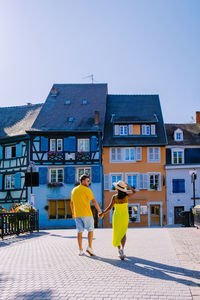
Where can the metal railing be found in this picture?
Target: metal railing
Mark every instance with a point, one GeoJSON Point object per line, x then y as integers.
{"type": "Point", "coordinates": [16, 223]}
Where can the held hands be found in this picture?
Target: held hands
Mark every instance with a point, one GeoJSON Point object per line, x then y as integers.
{"type": "Point", "coordinates": [101, 215]}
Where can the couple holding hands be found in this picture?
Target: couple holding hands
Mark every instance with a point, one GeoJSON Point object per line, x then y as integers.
{"type": "Point", "coordinates": [81, 212]}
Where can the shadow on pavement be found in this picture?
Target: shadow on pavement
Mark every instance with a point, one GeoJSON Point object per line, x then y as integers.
{"type": "Point", "coordinates": [20, 238]}
{"type": "Point", "coordinates": [35, 295]}
{"type": "Point", "coordinates": [68, 237]}
{"type": "Point", "coordinates": [152, 269]}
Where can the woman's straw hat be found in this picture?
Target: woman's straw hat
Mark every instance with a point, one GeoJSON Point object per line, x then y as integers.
{"type": "Point", "coordinates": [121, 185]}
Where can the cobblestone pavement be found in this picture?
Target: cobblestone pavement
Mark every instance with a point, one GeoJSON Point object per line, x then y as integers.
{"type": "Point", "coordinates": [161, 263]}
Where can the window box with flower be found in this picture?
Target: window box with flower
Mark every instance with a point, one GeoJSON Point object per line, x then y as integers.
{"type": "Point", "coordinates": [55, 184]}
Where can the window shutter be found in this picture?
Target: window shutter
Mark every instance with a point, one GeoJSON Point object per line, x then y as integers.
{"type": "Point", "coordinates": [150, 154]}
{"type": "Point", "coordinates": [118, 153]}
{"type": "Point", "coordinates": [145, 178]}
{"type": "Point", "coordinates": [69, 175]}
{"type": "Point", "coordinates": [113, 154]}
{"type": "Point", "coordinates": [1, 152]}
{"type": "Point", "coordinates": [141, 185]}
{"type": "Point", "coordinates": [138, 153]}
{"type": "Point", "coordinates": [17, 180]}
{"type": "Point", "coordinates": [19, 150]}
{"type": "Point", "coordinates": [43, 175]}
{"type": "Point", "coordinates": [153, 129]}
{"type": "Point", "coordinates": [106, 182]}
{"type": "Point", "coordinates": [70, 144]}
{"type": "Point", "coordinates": [157, 154]}
{"type": "Point", "coordinates": [44, 144]}
{"type": "Point", "coordinates": [94, 143]}
{"type": "Point", "coordinates": [96, 174]}
{"type": "Point", "coordinates": [143, 129]}
{"type": "Point", "coordinates": [182, 185]}
{"type": "Point", "coordinates": [1, 181]}
{"type": "Point", "coordinates": [116, 129]}
{"type": "Point", "coordinates": [130, 129]}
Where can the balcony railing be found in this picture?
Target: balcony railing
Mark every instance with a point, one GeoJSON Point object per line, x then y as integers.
{"type": "Point", "coordinates": [16, 223]}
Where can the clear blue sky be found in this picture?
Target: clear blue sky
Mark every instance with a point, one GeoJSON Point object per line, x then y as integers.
{"type": "Point", "coordinates": [136, 46]}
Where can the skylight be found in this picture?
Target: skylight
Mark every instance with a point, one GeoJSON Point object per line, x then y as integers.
{"type": "Point", "coordinates": [70, 119]}
{"type": "Point", "coordinates": [84, 101]}
{"type": "Point", "coordinates": [67, 102]}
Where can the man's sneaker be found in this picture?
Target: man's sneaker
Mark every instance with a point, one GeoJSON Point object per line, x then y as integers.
{"type": "Point", "coordinates": [81, 252]}
{"type": "Point", "coordinates": [121, 254]}
{"type": "Point", "coordinates": [90, 251]}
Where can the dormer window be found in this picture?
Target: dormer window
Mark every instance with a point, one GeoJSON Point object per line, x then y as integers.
{"type": "Point", "coordinates": [149, 129]}
{"type": "Point", "coordinates": [70, 119]}
{"type": "Point", "coordinates": [178, 135]}
{"type": "Point", "coordinates": [123, 130]}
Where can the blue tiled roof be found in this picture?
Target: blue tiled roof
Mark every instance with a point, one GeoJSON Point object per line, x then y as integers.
{"type": "Point", "coordinates": [56, 114]}
{"type": "Point", "coordinates": [134, 109]}
{"type": "Point", "coordinates": [15, 120]}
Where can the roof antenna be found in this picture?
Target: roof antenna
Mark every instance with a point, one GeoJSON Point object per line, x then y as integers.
{"type": "Point", "coordinates": [90, 76]}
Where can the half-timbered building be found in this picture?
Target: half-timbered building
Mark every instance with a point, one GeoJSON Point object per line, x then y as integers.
{"type": "Point", "coordinates": [65, 142]}
{"type": "Point", "coordinates": [14, 148]}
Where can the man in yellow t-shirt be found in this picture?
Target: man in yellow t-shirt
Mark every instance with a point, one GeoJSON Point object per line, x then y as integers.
{"type": "Point", "coordinates": [82, 213]}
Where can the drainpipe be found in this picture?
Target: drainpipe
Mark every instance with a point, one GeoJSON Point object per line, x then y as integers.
{"type": "Point", "coordinates": [101, 168]}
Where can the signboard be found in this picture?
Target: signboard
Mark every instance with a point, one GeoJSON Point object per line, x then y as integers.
{"type": "Point", "coordinates": [143, 210]}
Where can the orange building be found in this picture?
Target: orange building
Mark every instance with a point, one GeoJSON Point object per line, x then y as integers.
{"type": "Point", "coordinates": [134, 151]}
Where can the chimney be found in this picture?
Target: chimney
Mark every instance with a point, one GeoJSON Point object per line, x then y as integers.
{"type": "Point", "coordinates": [96, 117]}
{"type": "Point", "coordinates": [197, 117]}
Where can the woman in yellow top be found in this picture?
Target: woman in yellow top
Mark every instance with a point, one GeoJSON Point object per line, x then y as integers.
{"type": "Point", "coordinates": [120, 216]}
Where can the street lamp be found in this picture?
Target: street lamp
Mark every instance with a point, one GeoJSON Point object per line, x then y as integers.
{"type": "Point", "coordinates": [193, 174]}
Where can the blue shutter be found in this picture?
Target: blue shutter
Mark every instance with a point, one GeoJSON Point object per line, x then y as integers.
{"type": "Point", "coordinates": [1, 181]}
{"type": "Point", "coordinates": [175, 186]}
{"type": "Point", "coordinates": [19, 150]}
{"type": "Point", "coordinates": [182, 186]}
{"type": "Point", "coordinates": [43, 175]}
{"type": "Point", "coordinates": [70, 144]}
{"type": "Point", "coordinates": [17, 180]}
{"type": "Point", "coordinates": [44, 144]}
{"type": "Point", "coordinates": [96, 174]}
{"type": "Point", "coordinates": [1, 152]}
{"type": "Point", "coordinates": [69, 175]}
{"type": "Point", "coordinates": [94, 143]}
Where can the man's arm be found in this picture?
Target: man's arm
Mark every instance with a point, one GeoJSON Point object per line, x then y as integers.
{"type": "Point", "coordinates": [96, 205]}
{"type": "Point", "coordinates": [72, 208]}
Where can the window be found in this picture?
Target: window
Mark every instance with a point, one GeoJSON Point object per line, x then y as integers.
{"type": "Point", "coordinates": [115, 178]}
{"type": "Point", "coordinates": [178, 135]}
{"type": "Point", "coordinates": [59, 145]}
{"type": "Point", "coordinates": [178, 185]}
{"type": "Point", "coordinates": [149, 129]}
{"type": "Point", "coordinates": [125, 154]}
{"type": "Point", "coordinates": [59, 209]}
{"type": "Point", "coordinates": [143, 181]}
{"type": "Point", "coordinates": [123, 130]}
{"type": "Point", "coordinates": [81, 171]}
{"type": "Point", "coordinates": [129, 154]}
{"type": "Point", "coordinates": [146, 130]}
{"type": "Point", "coordinates": [132, 180]}
{"type": "Point", "coordinates": [9, 182]}
{"type": "Point", "coordinates": [84, 101]}
{"type": "Point", "coordinates": [153, 154]}
{"type": "Point", "coordinates": [56, 145]}
{"type": "Point", "coordinates": [178, 157]}
{"type": "Point", "coordinates": [10, 151]}
{"type": "Point", "coordinates": [56, 175]}
{"type": "Point", "coordinates": [154, 181]}
{"type": "Point", "coordinates": [83, 145]}
{"type": "Point", "coordinates": [134, 213]}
